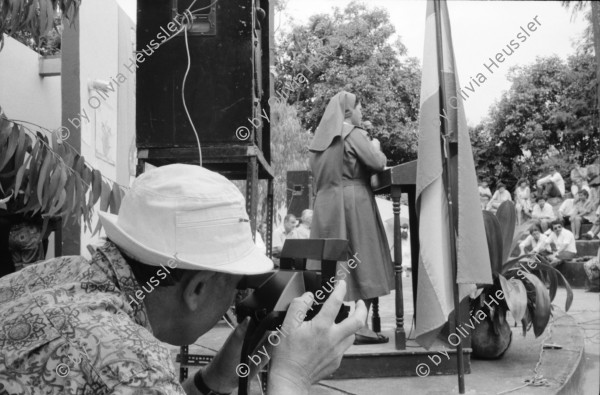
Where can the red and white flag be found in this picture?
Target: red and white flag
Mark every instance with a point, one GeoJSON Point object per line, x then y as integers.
{"type": "Point", "coordinates": [435, 300]}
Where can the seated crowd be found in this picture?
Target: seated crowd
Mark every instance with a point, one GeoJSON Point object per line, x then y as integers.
{"type": "Point", "coordinates": [555, 229]}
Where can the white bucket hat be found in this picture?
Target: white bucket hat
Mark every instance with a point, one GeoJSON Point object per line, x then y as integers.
{"type": "Point", "coordinates": [190, 214]}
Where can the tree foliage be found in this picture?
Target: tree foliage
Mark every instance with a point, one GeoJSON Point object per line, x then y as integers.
{"type": "Point", "coordinates": [289, 151]}
{"type": "Point", "coordinates": [41, 179]}
{"type": "Point", "coordinates": [48, 44]}
{"type": "Point", "coordinates": [550, 102]}
{"type": "Point", "coordinates": [33, 17]}
{"type": "Point", "coordinates": [352, 50]}
{"type": "Point", "coordinates": [289, 148]}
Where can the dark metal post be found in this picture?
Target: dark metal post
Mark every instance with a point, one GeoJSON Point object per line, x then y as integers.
{"type": "Point", "coordinates": [252, 192]}
{"type": "Point", "coordinates": [269, 240]}
{"type": "Point", "coordinates": [445, 141]}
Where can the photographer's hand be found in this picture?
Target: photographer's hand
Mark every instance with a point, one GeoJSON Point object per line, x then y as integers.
{"type": "Point", "coordinates": [313, 349]}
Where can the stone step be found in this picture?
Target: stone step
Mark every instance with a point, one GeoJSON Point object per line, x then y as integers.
{"type": "Point", "coordinates": [585, 228]}
{"type": "Point", "coordinates": [573, 269]}
{"type": "Point", "coordinates": [587, 247]}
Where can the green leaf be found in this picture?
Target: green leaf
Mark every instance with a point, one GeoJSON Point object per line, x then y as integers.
{"type": "Point", "coordinates": [115, 199]}
{"type": "Point", "coordinates": [87, 179]}
{"type": "Point", "coordinates": [76, 203]}
{"type": "Point", "coordinates": [56, 190]}
{"type": "Point", "coordinates": [61, 200]}
{"type": "Point", "coordinates": [70, 192]}
{"type": "Point", "coordinates": [13, 140]}
{"type": "Point", "coordinates": [82, 207]}
{"type": "Point", "coordinates": [96, 186]}
{"type": "Point", "coordinates": [69, 156]}
{"type": "Point", "coordinates": [515, 295]}
{"type": "Point", "coordinates": [553, 280]}
{"type": "Point", "coordinates": [32, 205]}
{"type": "Point", "coordinates": [76, 186]}
{"type": "Point", "coordinates": [79, 163]}
{"type": "Point", "coordinates": [19, 177]}
{"type": "Point", "coordinates": [507, 217]}
{"type": "Point", "coordinates": [493, 233]}
{"type": "Point", "coordinates": [46, 219]}
{"type": "Point", "coordinates": [545, 265]}
{"type": "Point", "coordinates": [19, 155]}
{"type": "Point", "coordinates": [35, 166]}
{"type": "Point", "coordinates": [46, 17]}
{"type": "Point", "coordinates": [508, 265]}
{"type": "Point", "coordinates": [104, 202]}
{"type": "Point", "coordinates": [541, 312]}
{"type": "Point", "coordinates": [29, 173]}
{"type": "Point", "coordinates": [51, 188]}
{"type": "Point", "coordinates": [105, 196]}
{"type": "Point", "coordinates": [16, 10]}
{"type": "Point", "coordinates": [43, 176]}
{"type": "Point", "coordinates": [31, 18]}
{"type": "Point", "coordinates": [5, 130]}
{"type": "Point", "coordinates": [526, 321]}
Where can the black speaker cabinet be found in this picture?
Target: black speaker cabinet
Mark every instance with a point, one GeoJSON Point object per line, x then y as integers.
{"type": "Point", "coordinates": [228, 85]}
{"type": "Point", "coordinates": [299, 191]}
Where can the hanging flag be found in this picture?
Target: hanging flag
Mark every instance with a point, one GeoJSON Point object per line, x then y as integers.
{"type": "Point", "coordinates": [436, 278]}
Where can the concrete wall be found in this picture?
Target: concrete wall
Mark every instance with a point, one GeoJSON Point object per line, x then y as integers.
{"type": "Point", "coordinates": [107, 116]}
{"type": "Point", "coordinates": [24, 94]}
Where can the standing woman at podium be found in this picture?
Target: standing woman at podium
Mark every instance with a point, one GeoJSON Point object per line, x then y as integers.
{"type": "Point", "coordinates": [342, 161]}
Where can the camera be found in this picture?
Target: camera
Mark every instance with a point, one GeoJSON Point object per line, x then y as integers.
{"type": "Point", "coordinates": [273, 292]}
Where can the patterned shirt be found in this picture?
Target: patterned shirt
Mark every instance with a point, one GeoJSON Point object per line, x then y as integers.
{"type": "Point", "coordinates": [68, 326]}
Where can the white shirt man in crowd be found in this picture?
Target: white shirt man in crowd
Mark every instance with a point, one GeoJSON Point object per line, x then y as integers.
{"type": "Point", "coordinates": [578, 179]}
{"type": "Point", "coordinates": [500, 196]}
{"type": "Point", "coordinates": [484, 189]}
{"type": "Point", "coordinates": [303, 230]}
{"type": "Point", "coordinates": [553, 184]}
{"type": "Point", "coordinates": [536, 242]}
{"type": "Point", "coordinates": [595, 230]}
{"type": "Point", "coordinates": [562, 243]}
{"type": "Point", "coordinates": [543, 213]}
{"type": "Point", "coordinates": [566, 208]}
{"type": "Point", "coordinates": [287, 231]}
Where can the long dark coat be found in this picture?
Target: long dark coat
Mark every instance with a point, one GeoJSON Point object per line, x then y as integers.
{"type": "Point", "coordinates": [345, 208]}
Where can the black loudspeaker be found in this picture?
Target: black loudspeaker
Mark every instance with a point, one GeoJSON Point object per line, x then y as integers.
{"type": "Point", "coordinates": [299, 191]}
{"type": "Point", "coordinates": [227, 87]}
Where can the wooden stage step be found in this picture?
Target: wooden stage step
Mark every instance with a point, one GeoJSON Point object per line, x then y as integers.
{"type": "Point", "coordinates": [383, 360]}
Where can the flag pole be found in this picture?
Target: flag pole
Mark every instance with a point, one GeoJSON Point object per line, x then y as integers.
{"type": "Point", "coordinates": [445, 141]}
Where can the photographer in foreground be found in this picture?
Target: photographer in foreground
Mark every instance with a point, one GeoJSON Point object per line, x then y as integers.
{"type": "Point", "coordinates": [167, 273]}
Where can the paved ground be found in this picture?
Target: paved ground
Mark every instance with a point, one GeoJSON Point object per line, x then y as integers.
{"type": "Point", "coordinates": [586, 312]}
{"type": "Point", "coordinates": [506, 376]}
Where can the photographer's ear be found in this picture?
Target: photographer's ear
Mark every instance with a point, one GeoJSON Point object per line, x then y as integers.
{"type": "Point", "coordinates": [194, 289]}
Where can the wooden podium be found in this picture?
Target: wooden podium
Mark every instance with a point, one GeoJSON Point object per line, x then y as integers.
{"type": "Point", "coordinates": [395, 181]}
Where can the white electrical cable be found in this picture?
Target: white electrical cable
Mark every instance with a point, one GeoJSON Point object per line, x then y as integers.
{"type": "Point", "coordinates": [203, 8]}
{"type": "Point", "coordinates": [189, 17]}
